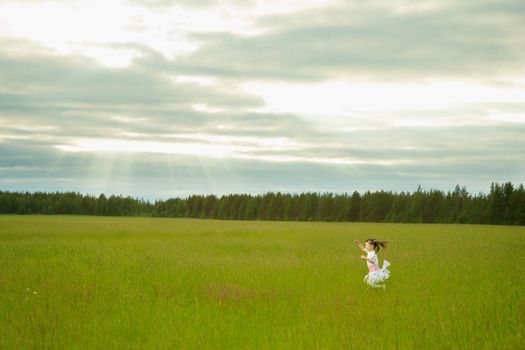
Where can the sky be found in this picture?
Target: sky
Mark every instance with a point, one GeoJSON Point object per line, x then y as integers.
{"type": "Point", "coordinates": [158, 99]}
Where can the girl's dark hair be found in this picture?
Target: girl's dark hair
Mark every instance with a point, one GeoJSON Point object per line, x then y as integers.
{"type": "Point", "coordinates": [377, 244]}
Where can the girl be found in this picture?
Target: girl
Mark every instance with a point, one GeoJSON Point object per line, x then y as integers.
{"type": "Point", "coordinates": [375, 276]}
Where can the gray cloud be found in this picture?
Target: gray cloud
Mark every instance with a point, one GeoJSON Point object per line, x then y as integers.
{"type": "Point", "coordinates": [474, 41]}
{"type": "Point", "coordinates": [65, 80]}
{"type": "Point", "coordinates": [80, 97]}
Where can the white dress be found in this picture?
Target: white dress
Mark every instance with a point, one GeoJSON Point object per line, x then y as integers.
{"type": "Point", "coordinates": [376, 276]}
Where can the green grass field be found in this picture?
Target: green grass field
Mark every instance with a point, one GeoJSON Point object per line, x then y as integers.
{"type": "Point", "coordinates": [93, 282]}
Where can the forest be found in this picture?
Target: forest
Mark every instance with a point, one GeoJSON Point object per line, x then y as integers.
{"type": "Point", "coordinates": [503, 205]}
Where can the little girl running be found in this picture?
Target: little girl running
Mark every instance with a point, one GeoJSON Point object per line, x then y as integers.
{"type": "Point", "coordinates": [376, 276]}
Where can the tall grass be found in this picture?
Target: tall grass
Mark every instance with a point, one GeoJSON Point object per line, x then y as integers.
{"type": "Point", "coordinates": [91, 282]}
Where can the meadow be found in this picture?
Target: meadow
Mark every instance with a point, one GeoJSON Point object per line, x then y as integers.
{"type": "Point", "coordinates": [105, 282]}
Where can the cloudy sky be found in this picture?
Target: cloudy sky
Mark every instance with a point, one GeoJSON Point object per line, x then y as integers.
{"type": "Point", "coordinates": [163, 98]}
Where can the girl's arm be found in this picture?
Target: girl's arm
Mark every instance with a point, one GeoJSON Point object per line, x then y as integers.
{"type": "Point", "coordinates": [372, 261]}
{"type": "Point", "coordinates": [359, 245]}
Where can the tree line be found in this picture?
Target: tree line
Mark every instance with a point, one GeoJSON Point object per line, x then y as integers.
{"type": "Point", "coordinates": [504, 205]}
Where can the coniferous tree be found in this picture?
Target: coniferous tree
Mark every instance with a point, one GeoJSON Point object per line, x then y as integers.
{"type": "Point", "coordinates": [100, 206]}
{"type": "Point", "coordinates": [417, 203]}
{"type": "Point", "coordinates": [511, 204]}
{"type": "Point", "coordinates": [432, 207]}
{"type": "Point", "coordinates": [496, 204]}
{"type": "Point", "coordinates": [398, 211]}
{"type": "Point", "coordinates": [355, 207]}
{"type": "Point", "coordinates": [309, 208]}
{"type": "Point", "coordinates": [520, 212]}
